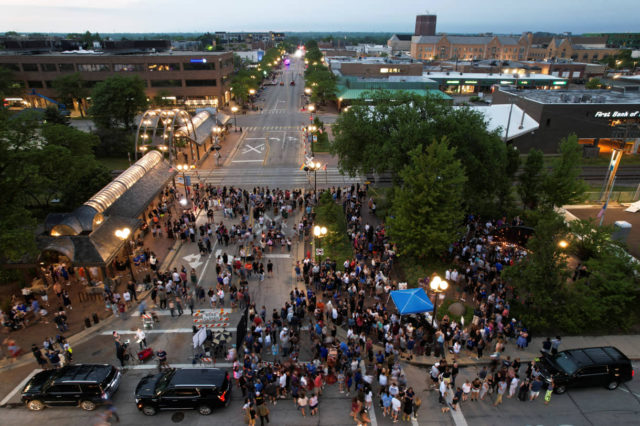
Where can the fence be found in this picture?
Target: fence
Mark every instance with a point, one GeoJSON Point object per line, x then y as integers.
{"type": "Point", "coordinates": [616, 197]}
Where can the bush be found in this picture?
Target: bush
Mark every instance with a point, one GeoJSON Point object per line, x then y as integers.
{"type": "Point", "coordinates": [114, 143]}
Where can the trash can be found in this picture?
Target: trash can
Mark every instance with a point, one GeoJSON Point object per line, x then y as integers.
{"type": "Point", "coordinates": [87, 322]}
{"type": "Point", "coordinates": [95, 318]}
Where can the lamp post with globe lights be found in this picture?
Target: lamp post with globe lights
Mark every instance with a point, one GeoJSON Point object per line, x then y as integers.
{"type": "Point", "coordinates": [318, 232]}
{"type": "Point", "coordinates": [123, 234]}
{"type": "Point", "coordinates": [438, 285]}
{"type": "Point", "coordinates": [183, 168]}
{"type": "Point", "coordinates": [234, 109]}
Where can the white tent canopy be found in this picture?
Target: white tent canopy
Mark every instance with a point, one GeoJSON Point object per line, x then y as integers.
{"type": "Point", "coordinates": [497, 117]}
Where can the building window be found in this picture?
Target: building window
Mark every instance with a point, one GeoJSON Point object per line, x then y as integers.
{"type": "Point", "coordinates": [66, 68]}
{"type": "Point", "coordinates": [93, 67]}
{"type": "Point", "coordinates": [548, 122]}
{"type": "Point", "coordinates": [29, 67]}
{"type": "Point", "coordinates": [163, 67]}
{"type": "Point", "coordinates": [389, 70]}
{"type": "Point", "coordinates": [199, 66]}
{"type": "Point", "coordinates": [166, 83]}
{"type": "Point", "coordinates": [127, 67]}
{"type": "Point", "coordinates": [10, 67]}
{"type": "Point", "coordinates": [198, 83]}
{"type": "Point", "coordinates": [35, 84]}
{"type": "Point", "coordinates": [48, 67]}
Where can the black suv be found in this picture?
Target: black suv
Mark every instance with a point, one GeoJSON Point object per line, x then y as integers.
{"type": "Point", "coordinates": [603, 366]}
{"type": "Point", "coordinates": [86, 385]}
{"type": "Point", "coordinates": [184, 389]}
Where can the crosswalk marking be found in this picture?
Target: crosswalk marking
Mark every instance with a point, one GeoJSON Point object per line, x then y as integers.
{"type": "Point", "coordinates": [263, 128]}
{"type": "Point", "coordinates": [151, 366]}
{"type": "Point", "coordinates": [166, 331]}
{"type": "Point", "coordinates": [165, 312]}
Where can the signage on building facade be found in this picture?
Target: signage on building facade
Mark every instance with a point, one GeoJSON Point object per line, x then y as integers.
{"type": "Point", "coordinates": [616, 114]}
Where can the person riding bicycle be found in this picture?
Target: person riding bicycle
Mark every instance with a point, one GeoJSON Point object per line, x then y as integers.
{"type": "Point", "coordinates": [162, 359]}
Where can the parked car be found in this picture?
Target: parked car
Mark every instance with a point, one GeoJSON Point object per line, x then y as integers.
{"type": "Point", "coordinates": [293, 83]}
{"type": "Point", "coordinates": [282, 83]}
{"type": "Point", "coordinates": [201, 389]}
{"type": "Point", "coordinates": [600, 366]}
{"type": "Point", "coordinates": [84, 385]}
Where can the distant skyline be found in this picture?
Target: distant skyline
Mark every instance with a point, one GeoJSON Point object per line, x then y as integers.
{"type": "Point", "coordinates": [454, 16]}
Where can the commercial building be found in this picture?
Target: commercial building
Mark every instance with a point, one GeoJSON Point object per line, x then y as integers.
{"type": "Point", "coordinates": [426, 45]}
{"type": "Point", "coordinates": [466, 83]}
{"type": "Point", "coordinates": [620, 40]}
{"type": "Point", "coordinates": [399, 43]}
{"type": "Point", "coordinates": [190, 79]}
{"type": "Point", "coordinates": [601, 119]}
{"type": "Point", "coordinates": [370, 67]}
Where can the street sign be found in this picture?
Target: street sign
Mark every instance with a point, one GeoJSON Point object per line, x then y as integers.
{"type": "Point", "coordinates": [319, 252]}
{"type": "Point", "coordinates": [315, 138]}
{"type": "Point", "coordinates": [311, 118]}
{"type": "Point", "coordinates": [188, 180]}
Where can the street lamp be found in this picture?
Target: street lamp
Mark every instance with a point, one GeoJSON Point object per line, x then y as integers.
{"type": "Point", "coordinates": [312, 108]}
{"type": "Point", "coordinates": [123, 234]}
{"type": "Point", "coordinates": [318, 232]}
{"type": "Point", "coordinates": [311, 130]}
{"type": "Point", "coordinates": [315, 166]}
{"type": "Point", "coordinates": [307, 90]}
{"type": "Point", "coordinates": [438, 285]}
{"type": "Point", "coordinates": [183, 168]}
{"type": "Point", "coordinates": [252, 92]}
{"type": "Point", "coordinates": [563, 244]}
{"type": "Point", "coordinates": [234, 109]}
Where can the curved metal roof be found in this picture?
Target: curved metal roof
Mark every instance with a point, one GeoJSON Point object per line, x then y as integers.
{"type": "Point", "coordinates": [110, 193]}
{"type": "Point", "coordinates": [63, 246]}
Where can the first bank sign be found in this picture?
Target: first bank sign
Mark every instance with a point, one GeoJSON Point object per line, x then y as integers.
{"type": "Point", "coordinates": [617, 114]}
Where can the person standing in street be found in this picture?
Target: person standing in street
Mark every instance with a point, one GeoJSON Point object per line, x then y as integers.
{"type": "Point", "coordinates": [502, 388]}
{"type": "Point", "coordinates": [548, 393]}
{"type": "Point", "coordinates": [141, 338]}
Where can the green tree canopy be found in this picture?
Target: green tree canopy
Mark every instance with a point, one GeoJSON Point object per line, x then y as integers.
{"type": "Point", "coordinates": [540, 279]}
{"type": "Point", "coordinates": [562, 185]}
{"type": "Point", "coordinates": [425, 212]}
{"type": "Point", "coordinates": [378, 139]}
{"type": "Point", "coordinates": [117, 100]}
{"type": "Point", "coordinates": [531, 179]}
{"type": "Point", "coordinates": [70, 88]}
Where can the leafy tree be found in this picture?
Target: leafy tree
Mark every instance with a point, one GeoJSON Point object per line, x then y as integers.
{"type": "Point", "coordinates": [368, 140]}
{"type": "Point", "coordinates": [531, 179]}
{"type": "Point", "coordinates": [159, 99]}
{"type": "Point", "coordinates": [562, 185]}
{"type": "Point", "coordinates": [323, 86]}
{"type": "Point", "coordinates": [53, 116]}
{"type": "Point", "coordinates": [607, 298]}
{"type": "Point", "coordinates": [425, 211]}
{"type": "Point", "coordinates": [539, 280]}
{"type": "Point", "coordinates": [16, 233]}
{"type": "Point", "coordinates": [587, 240]}
{"type": "Point", "coordinates": [117, 100]}
{"type": "Point", "coordinates": [8, 84]}
{"type": "Point", "coordinates": [70, 88]}
{"type": "Point", "coordinates": [594, 83]}
{"type": "Point", "coordinates": [76, 141]}
{"type": "Point", "coordinates": [114, 143]}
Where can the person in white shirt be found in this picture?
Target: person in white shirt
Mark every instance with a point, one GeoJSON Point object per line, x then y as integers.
{"type": "Point", "coordinates": [141, 338]}
{"type": "Point", "coordinates": [396, 404]}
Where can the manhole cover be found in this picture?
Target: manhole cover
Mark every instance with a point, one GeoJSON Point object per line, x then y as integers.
{"type": "Point", "coordinates": [177, 417]}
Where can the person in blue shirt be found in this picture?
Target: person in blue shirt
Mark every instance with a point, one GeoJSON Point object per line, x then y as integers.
{"type": "Point", "coordinates": [386, 403]}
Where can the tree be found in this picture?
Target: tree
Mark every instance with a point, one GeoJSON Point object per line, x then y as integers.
{"type": "Point", "coordinates": [117, 100]}
{"type": "Point", "coordinates": [562, 185]}
{"type": "Point", "coordinates": [539, 279]}
{"type": "Point", "coordinates": [594, 83]}
{"type": "Point", "coordinates": [378, 140]}
{"type": "Point", "coordinates": [52, 115]}
{"type": "Point", "coordinates": [70, 88]}
{"type": "Point", "coordinates": [588, 240]}
{"type": "Point", "coordinates": [425, 212]}
{"type": "Point", "coordinates": [531, 179]}
{"type": "Point", "coordinates": [76, 141]}
{"type": "Point", "coordinates": [323, 86]}
{"type": "Point", "coordinates": [8, 85]}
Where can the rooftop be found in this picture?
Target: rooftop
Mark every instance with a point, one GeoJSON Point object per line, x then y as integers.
{"type": "Point", "coordinates": [489, 76]}
{"type": "Point", "coordinates": [111, 53]}
{"type": "Point", "coordinates": [581, 96]}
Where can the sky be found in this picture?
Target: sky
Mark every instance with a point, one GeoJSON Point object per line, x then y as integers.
{"type": "Point", "coordinates": [454, 16]}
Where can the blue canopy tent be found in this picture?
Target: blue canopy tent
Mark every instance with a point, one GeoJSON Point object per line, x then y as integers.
{"type": "Point", "coordinates": [411, 301]}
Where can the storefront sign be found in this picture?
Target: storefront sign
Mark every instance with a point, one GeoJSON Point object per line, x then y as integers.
{"type": "Point", "coordinates": [616, 114]}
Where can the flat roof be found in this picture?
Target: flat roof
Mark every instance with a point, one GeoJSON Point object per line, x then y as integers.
{"type": "Point", "coordinates": [497, 118]}
{"type": "Point", "coordinates": [489, 76]}
{"type": "Point", "coordinates": [580, 96]}
{"type": "Point", "coordinates": [101, 53]}
{"type": "Point", "coordinates": [349, 94]}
